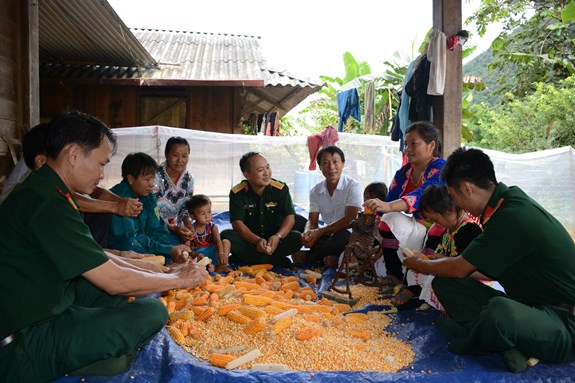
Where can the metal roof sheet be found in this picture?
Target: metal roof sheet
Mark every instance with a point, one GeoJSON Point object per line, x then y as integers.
{"type": "Point", "coordinates": [87, 32]}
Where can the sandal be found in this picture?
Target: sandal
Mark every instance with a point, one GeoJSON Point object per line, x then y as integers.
{"type": "Point", "coordinates": [402, 297]}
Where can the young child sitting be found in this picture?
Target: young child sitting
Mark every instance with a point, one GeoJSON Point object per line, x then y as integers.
{"type": "Point", "coordinates": [206, 238]}
{"type": "Point", "coordinates": [452, 231]}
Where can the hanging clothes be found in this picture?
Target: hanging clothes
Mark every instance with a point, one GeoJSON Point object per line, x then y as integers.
{"type": "Point", "coordinates": [369, 104]}
{"type": "Point", "coordinates": [436, 54]}
{"type": "Point", "coordinates": [327, 137]}
{"type": "Point", "coordinates": [420, 106]}
{"type": "Point", "coordinates": [348, 105]}
{"type": "Point", "coordinates": [272, 124]}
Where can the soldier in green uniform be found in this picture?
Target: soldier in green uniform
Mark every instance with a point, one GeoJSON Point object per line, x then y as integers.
{"type": "Point", "coordinates": [262, 216]}
{"type": "Point", "coordinates": [64, 301]}
{"type": "Point", "coordinates": [524, 248]}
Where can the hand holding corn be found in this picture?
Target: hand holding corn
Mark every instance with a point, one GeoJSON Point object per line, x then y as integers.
{"type": "Point", "coordinates": [192, 274]}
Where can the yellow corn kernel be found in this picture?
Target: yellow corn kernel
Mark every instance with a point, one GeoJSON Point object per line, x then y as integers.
{"type": "Point", "coordinates": [312, 318]}
{"type": "Point", "coordinates": [255, 326]}
{"type": "Point", "coordinates": [238, 317]}
{"type": "Point", "coordinates": [256, 300]}
{"type": "Point", "coordinates": [282, 325]}
{"type": "Point", "coordinates": [220, 360]}
{"type": "Point", "coordinates": [252, 312]}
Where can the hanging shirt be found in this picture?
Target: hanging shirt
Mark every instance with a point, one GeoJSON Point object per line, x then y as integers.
{"type": "Point", "coordinates": [348, 105]}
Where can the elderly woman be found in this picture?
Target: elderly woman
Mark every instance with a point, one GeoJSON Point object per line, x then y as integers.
{"type": "Point", "coordinates": [401, 225]}
{"type": "Point", "coordinates": [175, 185]}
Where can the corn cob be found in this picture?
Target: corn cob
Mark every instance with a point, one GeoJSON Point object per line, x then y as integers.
{"type": "Point", "coordinates": [224, 290]}
{"type": "Point", "coordinates": [282, 325]}
{"type": "Point", "coordinates": [286, 314]}
{"type": "Point", "coordinates": [155, 258]}
{"type": "Point", "coordinates": [246, 358]}
{"type": "Point", "coordinates": [171, 307]}
{"type": "Point", "coordinates": [312, 318]}
{"type": "Point", "coordinates": [256, 300]}
{"type": "Point", "coordinates": [268, 276]}
{"type": "Point", "coordinates": [306, 334]}
{"type": "Point", "coordinates": [264, 266]}
{"type": "Point", "coordinates": [252, 312]}
{"type": "Point", "coordinates": [273, 310]}
{"type": "Point", "coordinates": [341, 307]}
{"type": "Point", "coordinates": [177, 335]}
{"type": "Point", "coordinates": [226, 280]}
{"type": "Point", "coordinates": [362, 334]}
{"type": "Point", "coordinates": [223, 310]}
{"type": "Point", "coordinates": [206, 314]}
{"type": "Point", "coordinates": [255, 326]}
{"type": "Point", "coordinates": [199, 301]}
{"type": "Point", "coordinates": [313, 273]}
{"type": "Point", "coordinates": [183, 315]}
{"type": "Point", "coordinates": [247, 285]}
{"type": "Point", "coordinates": [246, 269]}
{"type": "Point", "coordinates": [238, 317]}
{"type": "Point", "coordinates": [220, 360]}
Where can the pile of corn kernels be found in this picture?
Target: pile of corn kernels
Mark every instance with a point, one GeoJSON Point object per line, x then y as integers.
{"type": "Point", "coordinates": [227, 317]}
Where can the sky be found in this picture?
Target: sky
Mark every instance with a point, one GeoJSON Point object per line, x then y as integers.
{"type": "Point", "coordinates": [305, 37]}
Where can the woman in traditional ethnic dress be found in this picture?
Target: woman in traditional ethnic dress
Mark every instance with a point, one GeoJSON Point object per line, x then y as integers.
{"type": "Point", "coordinates": [401, 226]}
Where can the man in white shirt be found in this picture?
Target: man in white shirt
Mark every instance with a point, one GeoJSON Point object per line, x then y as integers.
{"type": "Point", "coordinates": [337, 199]}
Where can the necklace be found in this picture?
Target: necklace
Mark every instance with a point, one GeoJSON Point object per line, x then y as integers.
{"type": "Point", "coordinates": [201, 237]}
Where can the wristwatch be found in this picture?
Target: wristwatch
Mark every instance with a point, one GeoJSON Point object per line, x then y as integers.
{"type": "Point", "coordinates": [279, 236]}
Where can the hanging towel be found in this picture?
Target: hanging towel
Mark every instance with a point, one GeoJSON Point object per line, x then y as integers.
{"type": "Point", "coordinates": [326, 137]}
{"type": "Point", "coordinates": [348, 105]}
{"type": "Point", "coordinates": [437, 56]}
{"type": "Point", "coordinates": [369, 103]}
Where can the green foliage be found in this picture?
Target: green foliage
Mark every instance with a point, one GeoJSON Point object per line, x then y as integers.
{"type": "Point", "coordinates": [542, 120]}
{"type": "Point", "coordinates": [536, 41]}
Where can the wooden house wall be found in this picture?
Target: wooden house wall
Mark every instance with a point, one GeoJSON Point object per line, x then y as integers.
{"type": "Point", "coordinates": [18, 73]}
{"type": "Point", "coordinates": [214, 109]}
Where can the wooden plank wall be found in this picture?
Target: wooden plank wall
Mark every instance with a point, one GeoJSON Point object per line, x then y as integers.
{"type": "Point", "coordinates": [213, 109]}
{"type": "Point", "coordinates": [18, 73]}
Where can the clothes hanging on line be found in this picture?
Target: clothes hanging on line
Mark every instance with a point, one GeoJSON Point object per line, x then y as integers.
{"type": "Point", "coordinates": [348, 105]}
{"type": "Point", "coordinates": [436, 54]}
{"type": "Point", "coordinates": [420, 105]}
{"type": "Point", "coordinates": [327, 137]}
{"type": "Point", "coordinates": [369, 104]}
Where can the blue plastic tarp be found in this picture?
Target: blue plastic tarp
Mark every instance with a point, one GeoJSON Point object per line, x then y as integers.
{"type": "Point", "coordinates": [162, 360]}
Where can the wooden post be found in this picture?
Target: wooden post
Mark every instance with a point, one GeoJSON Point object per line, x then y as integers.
{"type": "Point", "coordinates": [28, 58]}
{"type": "Point", "coordinates": [447, 108]}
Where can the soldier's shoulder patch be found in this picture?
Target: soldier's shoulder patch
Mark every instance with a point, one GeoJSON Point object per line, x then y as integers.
{"type": "Point", "coordinates": [239, 186]}
{"type": "Point", "coordinates": [277, 184]}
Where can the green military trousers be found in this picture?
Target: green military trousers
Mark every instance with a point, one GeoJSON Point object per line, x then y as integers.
{"type": "Point", "coordinates": [489, 321]}
{"type": "Point", "coordinates": [97, 327]}
{"type": "Point", "coordinates": [243, 251]}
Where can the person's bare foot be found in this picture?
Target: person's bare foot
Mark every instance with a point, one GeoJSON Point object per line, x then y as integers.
{"type": "Point", "coordinates": [330, 261]}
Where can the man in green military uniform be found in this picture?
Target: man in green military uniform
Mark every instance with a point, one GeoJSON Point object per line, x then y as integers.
{"type": "Point", "coordinates": [64, 301]}
{"type": "Point", "coordinates": [524, 248]}
{"type": "Point", "coordinates": [262, 216]}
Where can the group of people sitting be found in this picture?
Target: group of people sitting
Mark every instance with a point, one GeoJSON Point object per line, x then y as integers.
{"type": "Point", "coordinates": [80, 269]}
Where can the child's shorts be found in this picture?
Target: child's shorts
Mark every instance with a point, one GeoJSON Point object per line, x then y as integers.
{"type": "Point", "coordinates": [209, 252]}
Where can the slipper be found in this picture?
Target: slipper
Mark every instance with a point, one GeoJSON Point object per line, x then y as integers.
{"type": "Point", "coordinates": [402, 297]}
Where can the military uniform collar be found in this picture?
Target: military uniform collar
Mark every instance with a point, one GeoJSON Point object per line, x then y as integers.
{"type": "Point", "coordinates": [59, 185]}
{"type": "Point", "coordinates": [495, 201]}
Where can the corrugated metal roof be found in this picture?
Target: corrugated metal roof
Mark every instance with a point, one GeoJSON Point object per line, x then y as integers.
{"type": "Point", "coordinates": [87, 32]}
